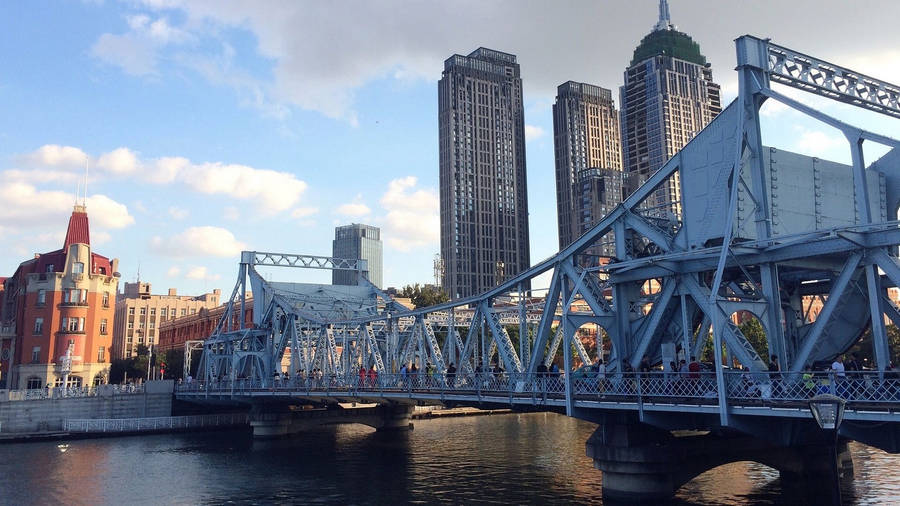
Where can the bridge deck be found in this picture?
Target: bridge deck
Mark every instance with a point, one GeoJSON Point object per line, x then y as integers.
{"type": "Point", "coordinates": [868, 396]}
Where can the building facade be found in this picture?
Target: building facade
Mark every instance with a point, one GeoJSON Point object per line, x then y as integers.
{"type": "Point", "coordinates": [139, 315]}
{"type": "Point", "coordinates": [588, 157]}
{"type": "Point", "coordinates": [668, 97]}
{"type": "Point", "coordinates": [483, 193]}
{"type": "Point", "coordinates": [199, 326]}
{"type": "Point", "coordinates": [57, 315]}
{"type": "Point", "coordinates": [359, 242]}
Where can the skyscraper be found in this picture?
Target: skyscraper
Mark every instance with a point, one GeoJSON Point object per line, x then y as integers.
{"type": "Point", "coordinates": [360, 242]}
{"type": "Point", "coordinates": [588, 158]}
{"type": "Point", "coordinates": [668, 97]}
{"type": "Point", "coordinates": [483, 194]}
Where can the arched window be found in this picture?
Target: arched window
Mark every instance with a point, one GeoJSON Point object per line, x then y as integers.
{"type": "Point", "coordinates": [99, 379]}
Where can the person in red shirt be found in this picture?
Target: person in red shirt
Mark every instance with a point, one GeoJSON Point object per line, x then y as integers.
{"type": "Point", "coordinates": [694, 368]}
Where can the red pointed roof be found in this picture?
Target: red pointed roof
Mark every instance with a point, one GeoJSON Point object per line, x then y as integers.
{"type": "Point", "coordinates": [78, 232]}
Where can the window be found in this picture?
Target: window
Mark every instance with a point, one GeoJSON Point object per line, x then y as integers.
{"type": "Point", "coordinates": [72, 324]}
{"type": "Point", "coordinates": [183, 311]}
{"type": "Point", "coordinates": [50, 267]}
{"type": "Point", "coordinates": [152, 324]}
{"type": "Point", "coordinates": [141, 324]}
{"type": "Point", "coordinates": [38, 326]}
{"type": "Point", "coordinates": [42, 297]}
{"type": "Point", "coordinates": [103, 326]}
{"type": "Point", "coordinates": [101, 354]}
{"type": "Point", "coordinates": [131, 311]}
{"type": "Point", "coordinates": [152, 312]}
{"type": "Point", "coordinates": [193, 311]}
{"type": "Point", "coordinates": [78, 268]}
{"type": "Point", "coordinates": [130, 325]}
{"type": "Point", "coordinates": [143, 311]}
{"type": "Point", "coordinates": [35, 355]}
{"type": "Point", "coordinates": [34, 383]}
{"type": "Point", "coordinates": [162, 313]}
{"type": "Point", "coordinates": [105, 299]}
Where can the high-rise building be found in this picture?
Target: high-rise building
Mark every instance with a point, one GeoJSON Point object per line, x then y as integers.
{"type": "Point", "coordinates": [139, 315]}
{"type": "Point", "coordinates": [588, 158]}
{"type": "Point", "coordinates": [358, 242]}
{"type": "Point", "coordinates": [57, 315]}
{"type": "Point", "coordinates": [668, 97]}
{"type": "Point", "coordinates": [597, 192]}
{"type": "Point", "coordinates": [483, 193]}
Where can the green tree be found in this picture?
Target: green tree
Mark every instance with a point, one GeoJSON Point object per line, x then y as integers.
{"type": "Point", "coordinates": [866, 352]}
{"type": "Point", "coordinates": [422, 296]}
{"type": "Point", "coordinates": [756, 335]}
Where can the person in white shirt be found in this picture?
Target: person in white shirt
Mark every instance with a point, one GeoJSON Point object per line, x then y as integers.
{"type": "Point", "coordinates": [838, 366]}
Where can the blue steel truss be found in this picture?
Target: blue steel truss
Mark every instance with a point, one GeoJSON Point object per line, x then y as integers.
{"type": "Point", "coordinates": [675, 281]}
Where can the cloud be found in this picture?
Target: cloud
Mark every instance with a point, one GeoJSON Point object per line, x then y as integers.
{"type": "Point", "coordinates": [357, 208]}
{"type": "Point", "coordinates": [173, 271]}
{"type": "Point", "coordinates": [178, 213]}
{"type": "Point", "coordinates": [412, 219]}
{"type": "Point", "coordinates": [201, 273]}
{"type": "Point", "coordinates": [119, 161]}
{"type": "Point", "coordinates": [820, 144]}
{"type": "Point", "coordinates": [54, 155]}
{"type": "Point", "coordinates": [199, 241]}
{"type": "Point", "coordinates": [134, 56]}
{"type": "Point", "coordinates": [533, 132]}
{"type": "Point", "coordinates": [271, 191]}
{"type": "Point", "coordinates": [27, 206]}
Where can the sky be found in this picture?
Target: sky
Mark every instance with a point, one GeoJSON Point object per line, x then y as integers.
{"type": "Point", "coordinates": [211, 127]}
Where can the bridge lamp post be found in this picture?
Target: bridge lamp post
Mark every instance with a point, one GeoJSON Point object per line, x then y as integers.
{"type": "Point", "coordinates": [828, 410]}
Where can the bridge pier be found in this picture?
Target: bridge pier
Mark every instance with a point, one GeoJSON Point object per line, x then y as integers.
{"type": "Point", "coordinates": [643, 463]}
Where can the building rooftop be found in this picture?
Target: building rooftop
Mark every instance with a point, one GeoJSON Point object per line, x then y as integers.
{"type": "Point", "coordinates": [79, 231]}
{"type": "Point", "coordinates": [668, 43]}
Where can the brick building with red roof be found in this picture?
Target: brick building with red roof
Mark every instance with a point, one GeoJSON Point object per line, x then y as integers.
{"type": "Point", "coordinates": [56, 302]}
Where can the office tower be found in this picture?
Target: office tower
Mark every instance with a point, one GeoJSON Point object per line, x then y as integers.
{"type": "Point", "coordinates": [588, 158]}
{"type": "Point", "coordinates": [483, 195]}
{"type": "Point", "coordinates": [358, 242]}
{"type": "Point", "coordinates": [668, 97]}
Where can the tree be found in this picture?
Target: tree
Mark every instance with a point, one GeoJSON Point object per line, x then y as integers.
{"type": "Point", "coordinates": [422, 296]}
{"type": "Point", "coordinates": [866, 352]}
{"type": "Point", "coordinates": [756, 335]}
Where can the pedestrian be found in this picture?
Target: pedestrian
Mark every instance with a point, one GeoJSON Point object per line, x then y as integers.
{"type": "Point", "coordinates": [601, 375]}
{"type": "Point", "coordinates": [404, 375]}
{"type": "Point", "coordinates": [414, 375]}
{"type": "Point", "coordinates": [451, 375]}
{"type": "Point", "coordinates": [373, 376]}
{"type": "Point", "coordinates": [542, 376]}
{"type": "Point", "coordinates": [362, 376]}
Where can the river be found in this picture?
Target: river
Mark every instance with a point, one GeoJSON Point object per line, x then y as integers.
{"type": "Point", "coordinates": [502, 459]}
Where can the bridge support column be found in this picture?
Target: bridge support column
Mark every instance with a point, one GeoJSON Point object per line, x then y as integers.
{"type": "Point", "coordinates": [272, 425]}
{"type": "Point", "coordinates": [644, 463]}
{"type": "Point", "coordinates": [394, 417]}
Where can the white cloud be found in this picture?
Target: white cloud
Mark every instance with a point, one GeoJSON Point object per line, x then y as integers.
{"type": "Point", "coordinates": [100, 237]}
{"type": "Point", "coordinates": [355, 209]}
{"type": "Point", "coordinates": [199, 241]}
{"type": "Point", "coordinates": [533, 132]}
{"type": "Point", "coordinates": [178, 213]}
{"type": "Point", "coordinates": [133, 55]}
{"type": "Point", "coordinates": [173, 271]}
{"type": "Point", "coordinates": [818, 143]}
{"type": "Point", "coordinates": [119, 161]}
{"type": "Point", "coordinates": [272, 191]}
{"type": "Point", "coordinates": [412, 219]}
{"type": "Point", "coordinates": [201, 273]}
{"type": "Point", "coordinates": [166, 169]}
{"type": "Point", "coordinates": [54, 155]}
{"type": "Point", "coordinates": [27, 206]}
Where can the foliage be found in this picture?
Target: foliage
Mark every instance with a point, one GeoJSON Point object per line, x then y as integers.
{"type": "Point", "coordinates": [867, 353]}
{"type": "Point", "coordinates": [422, 296]}
{"type": "Point", "coordinates": [756, 335]}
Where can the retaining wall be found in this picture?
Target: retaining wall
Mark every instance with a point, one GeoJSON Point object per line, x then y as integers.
{"type": "Point", "coordinates": [40, 415]}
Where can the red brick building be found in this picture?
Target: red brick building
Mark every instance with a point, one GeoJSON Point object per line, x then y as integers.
{"type": "Point", "coordinates": [57, 301]}
{"type": "Point", "coordinates": [198, 327]}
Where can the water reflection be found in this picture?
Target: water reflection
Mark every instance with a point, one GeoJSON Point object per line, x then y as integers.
{"type": "Point", "coordinates": [518, 459]}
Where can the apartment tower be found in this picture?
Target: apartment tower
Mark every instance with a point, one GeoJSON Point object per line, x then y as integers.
{"type": "Point", "coordinates": [588, 159]}
{"type": "Point", "coordinates": [668, 97]}
{"type": "Point", "coordinates": [483, 194]}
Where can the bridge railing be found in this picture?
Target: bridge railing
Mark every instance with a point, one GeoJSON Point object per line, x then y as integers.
{"type": "Point", "coordinates": [762, 388]}
{"type": "Point", "coordinates": [860, 387]}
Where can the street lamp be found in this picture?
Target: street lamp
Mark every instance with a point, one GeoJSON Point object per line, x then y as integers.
{"type": "Point", "coordinates": [828, 410]}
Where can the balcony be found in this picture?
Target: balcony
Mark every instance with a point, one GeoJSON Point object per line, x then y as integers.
{"type": "Point", "coordinates": [72, 304]}
{"type": "Point", "coordinates": [67, 331]}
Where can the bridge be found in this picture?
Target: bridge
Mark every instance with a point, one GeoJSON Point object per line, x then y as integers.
{"type": "Point", "coordinates": [758, 231]}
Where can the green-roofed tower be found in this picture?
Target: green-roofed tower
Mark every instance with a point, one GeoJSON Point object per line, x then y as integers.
{"type": "Point", "coordinates": [668, 97]}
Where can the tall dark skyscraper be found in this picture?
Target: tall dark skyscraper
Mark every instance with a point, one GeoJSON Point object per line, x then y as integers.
{"type": "Point", "coordinates": [668, 97]}
{"type": "Point", "coordinates": [484, 202]}
{"type": "Point", "coordinates": [361, 242]}
{"type": "Point", "coordinates": [588, 158]}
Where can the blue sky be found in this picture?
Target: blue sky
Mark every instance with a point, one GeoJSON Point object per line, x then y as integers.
{"type": "Point", "coordinates": [212, 127]}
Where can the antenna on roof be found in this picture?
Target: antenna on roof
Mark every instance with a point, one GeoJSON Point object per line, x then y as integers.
{"type": "Point", "coordinates": [665, 21]}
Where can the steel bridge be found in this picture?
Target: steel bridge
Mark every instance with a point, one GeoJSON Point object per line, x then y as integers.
{"type": "Point", "coordinates": [761, 232]}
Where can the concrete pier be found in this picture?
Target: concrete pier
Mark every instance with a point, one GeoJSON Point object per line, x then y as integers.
{"type": "Point", "coordinates": [269, 421]}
